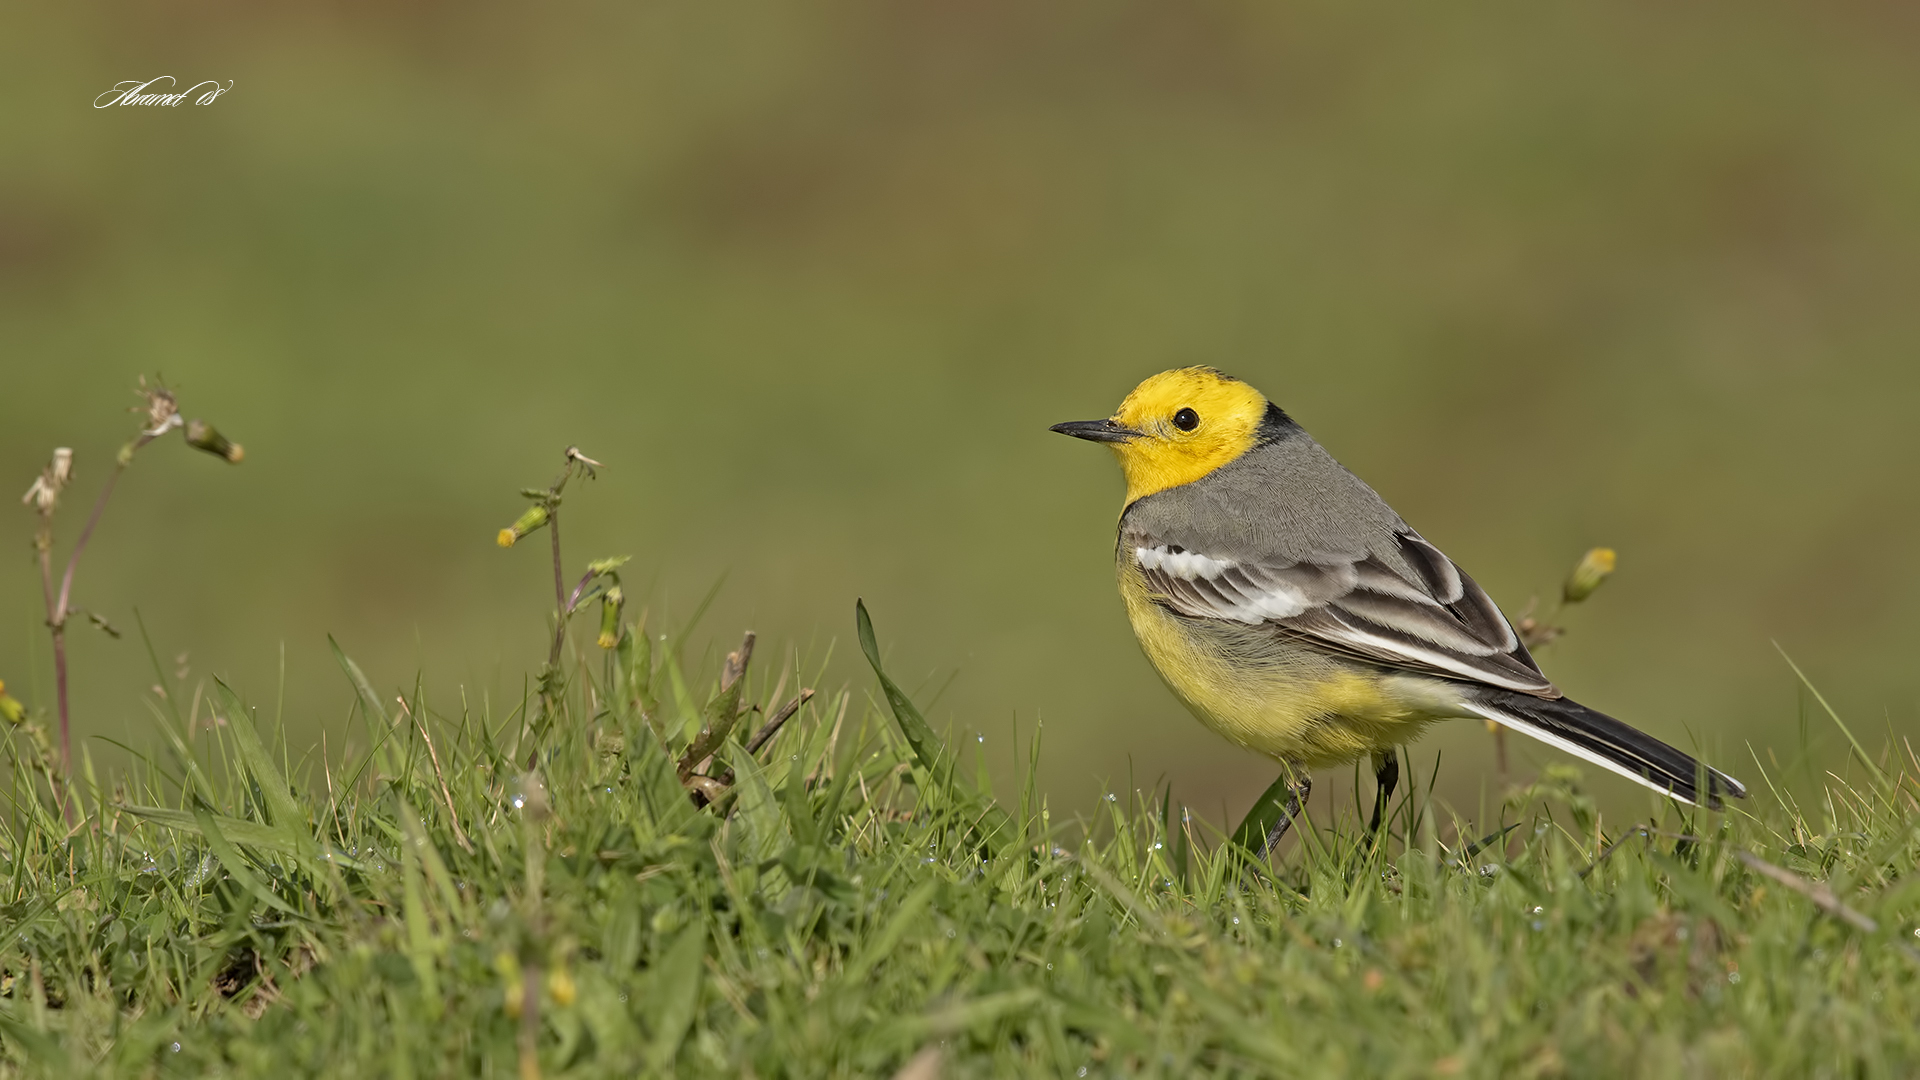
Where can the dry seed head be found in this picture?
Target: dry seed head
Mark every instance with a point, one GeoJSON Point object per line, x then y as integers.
{"type": "Point", "coordinates": [162, 409]}
{"type": "Point", "coordinates": [587, 463]}
{"type": "Point", "coordinates": [1594, 567]}
{"type": "Point", "coordinates": [44, 495]}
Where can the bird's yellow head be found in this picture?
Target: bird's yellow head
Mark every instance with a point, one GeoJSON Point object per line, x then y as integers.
{"type": "Point", "coordinates": [1178, 426]}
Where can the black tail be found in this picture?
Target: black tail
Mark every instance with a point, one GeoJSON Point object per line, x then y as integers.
{"type": "Point", "coordinates": [1606, 742]}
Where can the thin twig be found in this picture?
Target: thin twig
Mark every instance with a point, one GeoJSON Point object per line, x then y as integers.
{"type": "Point", "coordinates": [57, 622]}
{"type": "Point", "coordinates": [1816, 891]}
{"type": "Point", "coordinates": [772, 727]}
{"type": "Point", "coordinates": [769, 729]}
{"type": "Point", "coordinates": [44, 541]}
{"type": "Point", "coordinates": [86, 533]}
{"type": "Point", "coordinates": [57, 607]}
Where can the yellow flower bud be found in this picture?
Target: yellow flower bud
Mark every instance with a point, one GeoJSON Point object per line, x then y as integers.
{"type": "Point", "coordinates": [12, 710]}
{"type": "Point", "coordinates": [534, 518]}
{"type": "Point", "coordinates": [1586, 577]}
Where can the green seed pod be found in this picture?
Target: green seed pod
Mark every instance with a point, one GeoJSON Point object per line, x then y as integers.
{"type": "Point", "coordinates": [535, 517]}
{"type": "Point", "coordinates": [204, 436]}
{"type": "Point", "coordinates": [611, 602]}
{"type": "Point", "coordinates": [1594, 567]}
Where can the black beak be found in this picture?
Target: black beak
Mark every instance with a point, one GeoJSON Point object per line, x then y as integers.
{"type": "Point", "coordinates": [1097, 431]}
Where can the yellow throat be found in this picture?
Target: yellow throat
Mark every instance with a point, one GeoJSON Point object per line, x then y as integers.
{"type": "Point", "coordinates": [1190, 422]}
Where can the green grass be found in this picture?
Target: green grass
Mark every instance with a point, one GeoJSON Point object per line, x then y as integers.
{"type": "Point", "coordinates": [858, 896]}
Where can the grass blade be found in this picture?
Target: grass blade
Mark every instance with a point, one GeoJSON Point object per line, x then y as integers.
{"type": "Point", "coordinates": [237, 869]}
{"type": "Point", "coordinates": [991, 824]}
{"type": "Point", "coordinates": [676, 989]}
{"type": "Point", "coordinates": [1879, 778]}
{"type": "Point", "coordinates": [927, 746]}
{"type": "Point", "coordinates": [281, 808]}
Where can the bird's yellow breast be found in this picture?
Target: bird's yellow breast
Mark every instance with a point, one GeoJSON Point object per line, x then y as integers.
{"type": "Point", "coordinates": [1274, 696]}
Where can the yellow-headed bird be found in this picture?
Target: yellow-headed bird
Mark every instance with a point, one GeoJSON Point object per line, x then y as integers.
{"type": "Point", "coordinates": [1293, 611]}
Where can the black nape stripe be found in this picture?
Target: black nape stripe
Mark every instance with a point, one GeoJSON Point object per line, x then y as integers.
{"type": "Point", "coordinates": [1276, 425]}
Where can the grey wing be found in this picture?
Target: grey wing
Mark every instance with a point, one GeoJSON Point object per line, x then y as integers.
{"type": "Point", "coordinates": [1430, 619]}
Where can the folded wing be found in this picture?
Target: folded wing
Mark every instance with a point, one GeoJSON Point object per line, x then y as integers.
{"type": "Point", "coordinates": [1431, 618]}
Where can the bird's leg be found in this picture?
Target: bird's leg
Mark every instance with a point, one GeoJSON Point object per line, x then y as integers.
{"type": "Point", "coordinates": [1386, 773]}
{"type": "Point", "coordinates": [1297, 793]}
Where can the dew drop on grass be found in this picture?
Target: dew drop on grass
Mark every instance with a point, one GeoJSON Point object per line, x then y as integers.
{"type": "Point", "coordinates": [1337, 943]}
{"type": "Point", "coordinates": [1733, 977]}
{"type": "Point", "coordinates": [176, 1048]}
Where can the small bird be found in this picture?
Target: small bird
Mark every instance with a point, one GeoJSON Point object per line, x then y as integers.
{"type": "Point", "coordinates": [1292, 611]}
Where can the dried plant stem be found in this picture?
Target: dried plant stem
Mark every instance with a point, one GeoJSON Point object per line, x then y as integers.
{"type": "Point", "coordinates": [529, 1035]}
{"type": "Point", "coordinates": [560, 611]}
{"type": "Point", "coordinates": [772, 727]}
{"type": "Point", "coordinates": [43, 542]}
{"type": "Point", "coordinates": [1819, 892]}
{"type": "Point", "coordinates": [546, 514]}
{"type": "Point", "coordinates": [57, 611]}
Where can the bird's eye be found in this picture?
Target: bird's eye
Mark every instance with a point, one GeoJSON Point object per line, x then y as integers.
{"type": "Point", "coordinates": [1186, 419]}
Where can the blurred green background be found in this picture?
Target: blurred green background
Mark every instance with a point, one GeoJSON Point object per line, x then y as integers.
{"type": "Point", "coordinates": [813, 278]}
